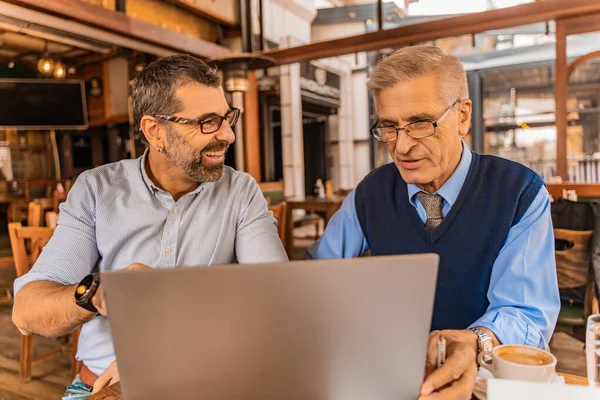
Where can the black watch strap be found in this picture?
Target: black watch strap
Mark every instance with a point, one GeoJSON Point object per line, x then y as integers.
{"type": "Point", "coordinates": [88, 306]}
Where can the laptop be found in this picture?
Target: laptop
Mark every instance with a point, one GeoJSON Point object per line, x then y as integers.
{"type": "Point", "coordinates": [350, 329]}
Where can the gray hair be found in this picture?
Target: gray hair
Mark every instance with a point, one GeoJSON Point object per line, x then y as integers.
{"type": "Point", "coordinates": [411, 62]}
{"type": "Point", "coordinates": [154, 88]}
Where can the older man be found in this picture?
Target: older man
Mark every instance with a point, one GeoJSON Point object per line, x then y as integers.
{"type": "Point", "coordinates": [488, 218]}
{"type": "Point", "coordinates": [175, 206]}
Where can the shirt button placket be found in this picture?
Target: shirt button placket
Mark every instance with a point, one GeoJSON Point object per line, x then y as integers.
{"type": "Point", "coordinates": [173, 233]}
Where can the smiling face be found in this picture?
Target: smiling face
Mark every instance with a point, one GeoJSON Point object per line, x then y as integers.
{"type": "Point", "coordinates": [430, 161]}
{"type": "Point", "coordinates": [199, 156]}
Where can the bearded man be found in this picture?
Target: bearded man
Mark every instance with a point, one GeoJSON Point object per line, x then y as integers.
{"type": "Point", "coordinates": [175, 206]}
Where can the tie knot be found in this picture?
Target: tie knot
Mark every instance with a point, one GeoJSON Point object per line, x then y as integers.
{"type": "Point", "coordinates": [432, 203]}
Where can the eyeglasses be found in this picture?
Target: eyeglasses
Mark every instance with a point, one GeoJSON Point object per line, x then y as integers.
{"type": "Point", "coordinates": [207, 125]}
{"type": "Point", "coordinates": [416, 130]}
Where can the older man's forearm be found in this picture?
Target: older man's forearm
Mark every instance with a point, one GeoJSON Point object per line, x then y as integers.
{"type": "Point", "coordinates": [48, 308]}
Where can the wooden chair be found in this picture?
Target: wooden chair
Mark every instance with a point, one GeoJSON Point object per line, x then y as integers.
{"type": "Point", "coordinates": [51, 219]}
{"type": "Point", "coordinates": [280, 214]}
{"type": "Point", "coordinates": [57, 198]}
{"type": "Point", "coordinates": [574, 270]}
{"type": "Point", "coordinates": [273, 192]}
{"type": "Point", "coordinates": [40, 235]}
{"type": "Point", "coordinates": [47, 188]}
{"type": "Point", "coordinates": [34, 214]}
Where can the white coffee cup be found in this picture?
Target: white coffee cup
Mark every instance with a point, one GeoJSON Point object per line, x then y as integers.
{"type": "Point", "coordinates": [518, 362]}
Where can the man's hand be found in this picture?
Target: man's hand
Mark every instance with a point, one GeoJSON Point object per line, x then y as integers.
{"type": "Point", "coordinates": [98, 298]}
{"type": "Point", "coordinates": [456, 378]}
{"type": "Point", "coordinates": [108, 377]}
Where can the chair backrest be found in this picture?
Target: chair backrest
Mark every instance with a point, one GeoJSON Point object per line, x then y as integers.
{"type": "Point", "coordinates": [34, 214]}
{"type": "Point", "coordinates": [57, 198]}
{"type": "Point", "coordinates": [572, 263]}
{"type": "Point", "coordinates": [51, 219]}
{"type": "Point", "coordinates": [280, 214]}
{"type": "Point", "coordinates": [38, 236]}
{"type": "Point", "coordinates": [573, 266]}
{"type": "Point", "coordinates": [273, 191]}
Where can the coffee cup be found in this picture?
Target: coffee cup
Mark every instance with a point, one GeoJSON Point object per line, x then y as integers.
{"type": "Point", "coordinates": [518, 362]}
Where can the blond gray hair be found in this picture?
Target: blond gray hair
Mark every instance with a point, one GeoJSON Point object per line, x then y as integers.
{"type": "Point", "coordinates": [415, 61]}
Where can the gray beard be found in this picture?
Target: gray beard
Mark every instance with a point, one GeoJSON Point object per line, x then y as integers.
{"type": "Point", "coordinates": [190, 160]}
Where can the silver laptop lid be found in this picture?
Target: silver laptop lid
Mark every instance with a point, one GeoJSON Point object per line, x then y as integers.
{"type": "Point", "coordinates": [325, 329]}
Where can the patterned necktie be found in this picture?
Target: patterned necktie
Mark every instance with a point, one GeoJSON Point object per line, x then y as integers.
{"type": "Point", "coordinates": [432, 203]}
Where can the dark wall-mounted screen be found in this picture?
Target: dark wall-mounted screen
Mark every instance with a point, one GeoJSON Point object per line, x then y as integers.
{"type": "Point", "coordinates": [42, 104]}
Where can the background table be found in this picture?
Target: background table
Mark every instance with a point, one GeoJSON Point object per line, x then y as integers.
{"type": "Point", "coordinates": [328, 205]}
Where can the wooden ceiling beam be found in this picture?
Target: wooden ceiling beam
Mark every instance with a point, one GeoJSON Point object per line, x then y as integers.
{"type": "Point", "coordinates": [456, 26]}
{"type": "Point", "coordinates": [116, 22]}
{"type": "Point", "coordinates": [583, 24]}
{"type": "Point", "coordinates": [206, 14]}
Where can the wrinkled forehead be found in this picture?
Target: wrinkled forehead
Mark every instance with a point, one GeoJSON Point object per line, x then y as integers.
{"type": "Point", "coordinates": [409, 101]}
{"type": "Point", "coordinates": [198, 100]}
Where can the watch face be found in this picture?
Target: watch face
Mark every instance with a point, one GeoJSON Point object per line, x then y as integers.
{"type": "Point", "coordinates": [83, 287]}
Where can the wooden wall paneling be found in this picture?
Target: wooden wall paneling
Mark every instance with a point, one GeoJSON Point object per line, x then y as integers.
{"type": "Point", "coordinates": [97, 150]}
{"type": "Point", "coordinates": [106, 89]}
{"type": "Point", "coordinates": [96, 105]}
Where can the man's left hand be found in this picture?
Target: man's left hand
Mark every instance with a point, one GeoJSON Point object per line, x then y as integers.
{"type": "Point", "coordinates": [456, 378]}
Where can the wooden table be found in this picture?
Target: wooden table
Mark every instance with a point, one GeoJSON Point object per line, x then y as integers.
{"type": "Point", "coordinates": [113, 392]}
{"type": "Point", "coordinates": [574, 379]}
{"type": "Point", "coordinates": [328, 205]}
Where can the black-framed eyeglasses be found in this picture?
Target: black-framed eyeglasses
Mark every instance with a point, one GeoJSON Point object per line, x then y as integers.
{"type": "Point", "coordinates": [207, 125]}
{"type": "Point", "coordinates": [416, 130]}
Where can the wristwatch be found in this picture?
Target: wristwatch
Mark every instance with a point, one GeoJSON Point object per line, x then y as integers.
{"type": "Point", "coordinates": [484, 341]}
{"type": "Point", "coordinates": [86, 290]}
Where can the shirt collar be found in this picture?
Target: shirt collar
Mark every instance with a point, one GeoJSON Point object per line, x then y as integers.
{"type": "Point", "coordinates": [151, 186]}
{"type": "Point", "coordinates": [153, 189]}
{"type": "Point", "coordinates": [451, 189]}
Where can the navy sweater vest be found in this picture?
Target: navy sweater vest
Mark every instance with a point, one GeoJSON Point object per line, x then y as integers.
{"type": "Point", "coordinates": [494, 197]}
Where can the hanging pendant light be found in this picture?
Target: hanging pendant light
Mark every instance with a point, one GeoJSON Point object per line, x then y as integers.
{"type": "Point", "coordinates": [45, 64]}
{"type": "Point", "coordinates": [60, 70]}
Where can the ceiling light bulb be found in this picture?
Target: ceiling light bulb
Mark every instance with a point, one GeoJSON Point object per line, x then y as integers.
{"type": "Point", "coordinates": [60, 70]}
{"type": "Point", "coordinates": [45, 66]}
{"type": "Point", "coordinates": [11, 64]}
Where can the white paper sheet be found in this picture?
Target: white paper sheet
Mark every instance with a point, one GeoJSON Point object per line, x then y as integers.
{"type": "Point", "coordinates": [499, 389]}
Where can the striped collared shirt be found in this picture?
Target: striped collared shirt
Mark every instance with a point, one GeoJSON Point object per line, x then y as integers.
{"type": "Point", "coordinates": [114, 216]}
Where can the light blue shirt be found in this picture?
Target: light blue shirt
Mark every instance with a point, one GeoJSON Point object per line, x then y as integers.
{"type": "Point", "coordinates": [523, 292]}
{"type": "Point", "coordinates": [115, 216]}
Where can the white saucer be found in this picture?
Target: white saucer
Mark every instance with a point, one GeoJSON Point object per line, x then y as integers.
{"type": "Point", "coordinates": [480, 390]}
